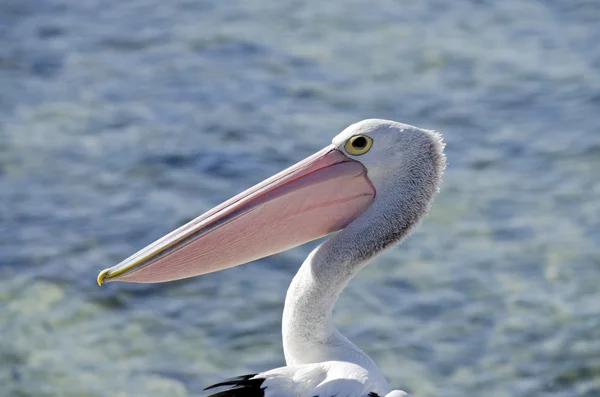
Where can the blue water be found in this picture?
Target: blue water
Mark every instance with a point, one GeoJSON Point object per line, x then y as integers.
{"type": "Point", "coordinates": [120, 120]}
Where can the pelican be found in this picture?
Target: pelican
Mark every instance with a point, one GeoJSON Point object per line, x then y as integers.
{"type": "Point", "coordinates": [372, 185]}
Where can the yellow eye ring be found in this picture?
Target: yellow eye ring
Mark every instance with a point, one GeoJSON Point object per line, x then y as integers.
{"type": "Point", "coordinates": [358, 144]}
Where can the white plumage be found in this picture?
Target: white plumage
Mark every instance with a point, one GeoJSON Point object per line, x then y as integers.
{"type": "Point", "coordinates": [330, 378]}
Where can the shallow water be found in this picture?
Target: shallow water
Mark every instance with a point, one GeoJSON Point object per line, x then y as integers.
{"type": "Point", "coordinates": [120, 120]}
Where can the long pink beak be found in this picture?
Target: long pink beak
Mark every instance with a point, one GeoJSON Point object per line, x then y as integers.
{"type": "Point", "coordinates": [318, 196]}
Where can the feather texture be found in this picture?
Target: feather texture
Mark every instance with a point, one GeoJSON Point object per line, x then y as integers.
{"type": "Point", "coordinates": [240, 386]}
{"type": "Point", "coordinates": [326, 379]}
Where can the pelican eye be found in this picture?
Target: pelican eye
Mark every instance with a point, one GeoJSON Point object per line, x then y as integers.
{"type": "Point", "coordinates": [358, 144]}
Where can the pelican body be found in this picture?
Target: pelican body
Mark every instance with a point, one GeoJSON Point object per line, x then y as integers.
{"type": "Point", "coordinates": [370, 187]}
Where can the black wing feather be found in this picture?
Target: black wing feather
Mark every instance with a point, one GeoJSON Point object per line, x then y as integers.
{"type": "Point", "coordinates": [245, 386]}
{"type": "Point", "coordinates": [241, 386]}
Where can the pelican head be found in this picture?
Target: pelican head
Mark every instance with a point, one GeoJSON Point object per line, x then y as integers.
{"type": "Point", "coordinates": [377, 176]}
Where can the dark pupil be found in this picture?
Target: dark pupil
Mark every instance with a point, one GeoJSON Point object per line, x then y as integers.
{"type": "Point", "coordinates": [360, 142]}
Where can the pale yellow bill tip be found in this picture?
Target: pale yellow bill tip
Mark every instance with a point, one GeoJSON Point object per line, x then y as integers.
{"type": "Point", "coordinates": [101, 276]}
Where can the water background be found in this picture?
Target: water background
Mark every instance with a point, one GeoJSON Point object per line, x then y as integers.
{"type": "Point", "coordinates": [121, 120]}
